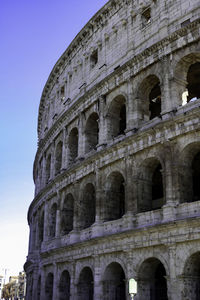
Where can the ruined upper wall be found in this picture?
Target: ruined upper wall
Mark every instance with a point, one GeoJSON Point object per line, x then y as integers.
{"type": "Point", "coordinates": [119, 31]}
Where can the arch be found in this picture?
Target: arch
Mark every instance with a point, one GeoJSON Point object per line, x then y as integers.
{"type": "Point", "coordinates": [39, 288]}
{"type": "Point", "coordinates": [73, 145]}
{"type": "Point", "coordinates": [48, 168]}
{"type": "Point", "coordinates": [114, 204]}
{"type": "Point", "coordinates": [149, 93]}
{"type": "Point", "coordinates": [52, 220]}
{"type": "Point", "coordinates": [191, 277]}
{"type": "Point", "coordinates": [150, 186]}
{"type": "Point", "coordinates": [187, 78]}
{"type": "Point", "coordinates": [67, 215]}
{"type": "Point", "coordinates": [114, 287]}
{"type": "Point", "coordinates": [88, 206]}
{"type": "Point", "coordinates": [41, 227]}
{"type": "Point", "coordinates": [152, 283]}
{"type": "Point", "coordinates": [116, 118]}
{"type": "Point", "coordinates": [190, 173]}
{"type": "Point", "coordinates": [86, 285]}
{"type": "Point", "coordinates": [64, 286]}
{"type": "Point", "coordinates": [91, 132]}
{"type": "Point", "coordinates": [49, 287]}
{"type": "Point", "coordinates": [58, 157]}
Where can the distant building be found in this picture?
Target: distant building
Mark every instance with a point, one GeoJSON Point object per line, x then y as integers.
{"type": "Point", "coordinates": [15, 288]}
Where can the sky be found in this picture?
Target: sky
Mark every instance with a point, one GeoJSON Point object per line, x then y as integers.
{"type": "Point", "coordinates": [33, 35]}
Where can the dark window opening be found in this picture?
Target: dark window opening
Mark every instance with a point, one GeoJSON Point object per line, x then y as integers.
{"type": "Point", "coordinates": [58, 163]}
{"type": "Point", "coordinates": [122, 122]}
{"type": "Point", "coordinates": [193, 79]}
{"type": "Point", "coordinates": [146, 16]}
{"type": "Point", "coordinates": [52, 221]}
{"type": "Point", "coordinates": [196, 177]}
{"type": "Point", "coordinates": [157, 188]}
{"type": "Point", "coordinates": [92, 133]}
{"type": "Point", "coordinates": [49, 287]}
{"type": "Point", "coordinates": [67, 215]}
{"type": "Point", "coordinates": [73, 145]}
{"type": "Point", "coordinates": [88, 207]}
{"type": "Point", "coordinates": [64, 286]}
{"type": "Point", "coordinates": [41, 228]}
{"type": "Point", "coordinates": [155, 102]}
{"type": "Point", "coordinates": [62, 92]}
{"type": "Point", "coordinates": [86, 285]}
{"type": "Point", "coordinates": [94, 58]}
{"type": "Point", "coordinates": [159, 290]}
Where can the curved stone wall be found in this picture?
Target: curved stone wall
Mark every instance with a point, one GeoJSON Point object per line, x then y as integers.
{"type": "Point", "coordinates": [117, 167]}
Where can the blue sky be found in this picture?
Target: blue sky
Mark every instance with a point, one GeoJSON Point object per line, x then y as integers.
{"type": "Point", "coordinates": [33, 34]}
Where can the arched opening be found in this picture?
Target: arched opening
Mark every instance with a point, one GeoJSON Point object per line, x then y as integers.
{"type": "Point", "coordinates": [189, 178]}
{"type": "Point", "coordinates": [58, 162]}
{"type": "Point", "coordinates": [114, 286]}
{"type": "Point", "coordinates": [73, 145]}
{"type": "Point", "coordinates": [196, 177]}
{"type": "Point", "coordinates": [117, 117]}
{"type": "Point", "coordinates": [152, 283]}
{"type": "Point", "coordinates": [41, 228]}
{"type": "Point", "coordinates": [39, 288]}
{"type": "Point", "coordinates": [88, 206]}
{"type": "Point", "coordinates": [52, 220]}
{"type": "Point", "coordinates": [91, 132]}
{"type": "Point", "coordinates": [48, 168]}
{"type": "Point", "coordinates": [67, 215]}
{"type": "Point", "coordinates": [49, 287]}
{"type": "Point", "coordinates": [192, 277]}
{"type": "Point", "coordinates": [193, 80]}
{"type": "Point", "coordinates": [114, 206]}
{"type": "Point", "coordinates": [151, 192]}
{"type": "Point", "coordinates": [64, 286]}
{"type": "Point", "coordinates": [149, 94]}
{"type": "Point", "coordinates": [86, 285]}
{"type": "Point", "coordinates": [155, 101]}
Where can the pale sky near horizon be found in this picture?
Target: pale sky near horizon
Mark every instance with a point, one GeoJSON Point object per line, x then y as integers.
{"type": "Point", "coordinates": [34, 34]}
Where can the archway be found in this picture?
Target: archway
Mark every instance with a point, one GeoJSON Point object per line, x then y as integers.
{"type": "Point", "coordinates": [73, 145]}
{"type": "Point", "coordinates": [114, 286]}
{"type": "Point", "coordinates": [192, 277]}
{"type": "Point", "coordinates": [58, 158]}
{"type": "Point", "coordinates": [196, 177]}
{"type": "Point", "coordinates": [91, 132]}
{"type": "Point", "coordinates": [49, 287]}
{"type": "Point", "coordinates": [150, 186]}
{"type": "Point", "coordinates": [52, 220]}
{"type": "Point", "coordinates": [67, 215]}
{"type": "Point", "coordinates": [88, 206]}
{"type": "Point", "coordinates": [41, 228]}
{"type": "Point", "coordinates": [149, 94]}
{"type": "Point", "coordinates": [152, 283]}
{"type": "Point", "coordinates": [39, 288]}
{"type": "Point", "coordinates": [114, 204]}
{"type": "Point", "coordinates": [48, 168]}
{"type": "Point", "coordinates": [64, 286]}
{"type": "Point", "coordinates": [117, 117]}
{"type": "Point", "coordinates": [86, 285]}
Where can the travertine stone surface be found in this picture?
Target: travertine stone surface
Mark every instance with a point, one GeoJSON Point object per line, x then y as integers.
{"type": "Point", "coordinates": [117, 170]}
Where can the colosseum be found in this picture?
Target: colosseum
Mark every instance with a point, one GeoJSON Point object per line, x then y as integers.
{"type": "Point", "coordinates": [117, 170]}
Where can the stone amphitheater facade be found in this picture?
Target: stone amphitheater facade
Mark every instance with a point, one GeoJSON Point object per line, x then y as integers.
{"type": "Point", "coordinates": [117, 170]}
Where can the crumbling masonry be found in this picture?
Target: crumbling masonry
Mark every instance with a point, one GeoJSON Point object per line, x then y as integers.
{"type": "Point", "coordinates": [117, 170]}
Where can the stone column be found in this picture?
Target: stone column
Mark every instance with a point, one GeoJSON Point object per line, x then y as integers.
{"type": "Point", "coordinates": [98, 290]}
{"type": "Point", "coordinates": [102, 123]}
{"type": "Point", "coordinates": [131, 111]}
{"type": "Point", "coordinates": [58, 213]}
{"type": "Point", "coordinates": [55, 282]}
{"type": "Point", "coordinates": [46, 223]}
{"type": "Point", "coordinates": [43, 280]}
{"type": "Point", "coordinates": [169, 209]}
{"type": "Point", "coordinates": [64, 151]}
{"type": "Point", "coordinates": [35, 284]}
{"type": "Point", "coordinates": [81, 136]}
{"type": "Point", "coordinates": [52, 169]}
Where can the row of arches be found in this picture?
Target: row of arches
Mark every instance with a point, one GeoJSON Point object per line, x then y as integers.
{"type": "Point", "coordinates": [149, 106]}
{"type": "Point", "coordinates": [152, 278]}
{"type": "Point", "coordinates": [111, 203]}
